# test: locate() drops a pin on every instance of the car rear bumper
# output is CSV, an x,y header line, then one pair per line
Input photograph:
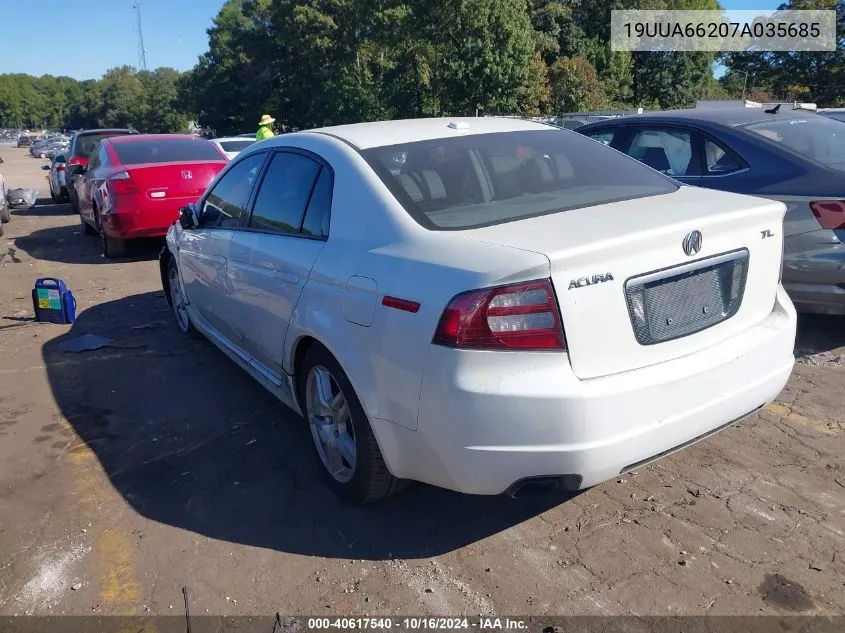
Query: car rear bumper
x,y
130,223
490,420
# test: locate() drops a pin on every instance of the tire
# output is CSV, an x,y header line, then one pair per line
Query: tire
x,y
5,214
180,314
365,477
74,201
113,247
53,195
89,230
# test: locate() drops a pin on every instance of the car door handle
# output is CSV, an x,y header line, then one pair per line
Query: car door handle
x,y
287,276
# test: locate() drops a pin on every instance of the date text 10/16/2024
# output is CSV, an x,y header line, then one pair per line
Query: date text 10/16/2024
x,y
482,623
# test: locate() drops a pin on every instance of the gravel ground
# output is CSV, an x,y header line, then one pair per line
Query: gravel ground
x,y
131,471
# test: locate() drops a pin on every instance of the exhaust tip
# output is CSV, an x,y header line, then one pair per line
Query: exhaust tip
x,y
544,485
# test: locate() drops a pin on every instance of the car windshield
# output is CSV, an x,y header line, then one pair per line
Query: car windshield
x,y
165,150
483,179
235,146
815,137
87,143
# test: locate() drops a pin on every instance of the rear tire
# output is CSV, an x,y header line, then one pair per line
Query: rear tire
x,y
5,214
74,201
89,230
177,301
113,247
359,475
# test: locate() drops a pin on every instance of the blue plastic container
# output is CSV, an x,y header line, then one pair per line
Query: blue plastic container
x,y
53,302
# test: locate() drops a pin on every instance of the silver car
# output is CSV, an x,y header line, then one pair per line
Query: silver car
x,y
57,177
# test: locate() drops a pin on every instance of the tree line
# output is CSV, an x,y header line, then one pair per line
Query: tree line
x,y
321,62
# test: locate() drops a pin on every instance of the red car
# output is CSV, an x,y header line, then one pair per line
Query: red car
x,y
134,185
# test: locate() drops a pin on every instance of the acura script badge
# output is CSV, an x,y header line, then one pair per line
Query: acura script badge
x,y
692,243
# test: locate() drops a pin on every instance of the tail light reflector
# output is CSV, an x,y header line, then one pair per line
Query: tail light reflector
x,y
829,213
60,168
122,183
520,316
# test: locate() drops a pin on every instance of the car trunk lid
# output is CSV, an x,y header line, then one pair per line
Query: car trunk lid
x,y
174,181
629,294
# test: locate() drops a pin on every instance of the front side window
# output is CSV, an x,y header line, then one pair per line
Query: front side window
x,y
226,204
284,193
666,150
475,180
816,138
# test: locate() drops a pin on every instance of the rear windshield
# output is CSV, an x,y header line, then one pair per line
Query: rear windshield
x,y
836,116
87,143
172,150
815,137
235,146
479,180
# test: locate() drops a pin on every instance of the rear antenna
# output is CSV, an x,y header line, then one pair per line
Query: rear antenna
x,y
773,110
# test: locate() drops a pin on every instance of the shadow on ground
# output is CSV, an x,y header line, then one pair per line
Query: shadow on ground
x,y
190,440
819,333
70,245
44,207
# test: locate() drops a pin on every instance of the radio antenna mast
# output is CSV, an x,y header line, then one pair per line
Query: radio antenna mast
x,y
142,52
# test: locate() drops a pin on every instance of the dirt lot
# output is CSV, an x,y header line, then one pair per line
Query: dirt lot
x,y
129,472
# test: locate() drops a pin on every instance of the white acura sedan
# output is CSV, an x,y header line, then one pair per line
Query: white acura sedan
x,y
487,305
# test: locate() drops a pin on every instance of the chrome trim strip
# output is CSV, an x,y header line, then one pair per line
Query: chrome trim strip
x,y
685,268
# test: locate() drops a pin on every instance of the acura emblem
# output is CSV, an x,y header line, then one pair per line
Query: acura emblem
x,y
187,175
692,243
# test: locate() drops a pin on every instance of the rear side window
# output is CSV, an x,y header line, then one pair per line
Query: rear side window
x,y
484,179
316,222
226,203
235,146
284,193
605,137
86,143
175,150
816,138
720,160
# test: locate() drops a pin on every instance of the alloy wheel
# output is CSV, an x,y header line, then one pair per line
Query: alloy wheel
x,y
331,424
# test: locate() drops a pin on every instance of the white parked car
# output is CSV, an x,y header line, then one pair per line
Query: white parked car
x,y
232,145
487,305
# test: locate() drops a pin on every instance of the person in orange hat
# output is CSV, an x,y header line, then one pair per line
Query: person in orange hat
x,y
265,128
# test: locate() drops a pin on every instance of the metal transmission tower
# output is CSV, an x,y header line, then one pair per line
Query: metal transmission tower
x,y
142,52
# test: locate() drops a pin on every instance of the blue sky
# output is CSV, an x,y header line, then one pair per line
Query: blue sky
x,y
91,36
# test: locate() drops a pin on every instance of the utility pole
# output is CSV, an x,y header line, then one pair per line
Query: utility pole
x,y
142,52
744,83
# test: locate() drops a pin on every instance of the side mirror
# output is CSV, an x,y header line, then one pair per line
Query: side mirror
x,y
188,216
45,167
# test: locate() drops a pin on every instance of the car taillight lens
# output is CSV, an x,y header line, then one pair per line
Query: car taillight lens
x,y
122,183
60,168
514,317
75,161
829,213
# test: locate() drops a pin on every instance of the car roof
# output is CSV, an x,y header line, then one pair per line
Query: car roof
x,y
721,116
135,138
233,138
380,133
101,130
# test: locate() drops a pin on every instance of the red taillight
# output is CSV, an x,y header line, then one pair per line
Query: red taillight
x,y
60,168
518,317
122,183
76,160
829,213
